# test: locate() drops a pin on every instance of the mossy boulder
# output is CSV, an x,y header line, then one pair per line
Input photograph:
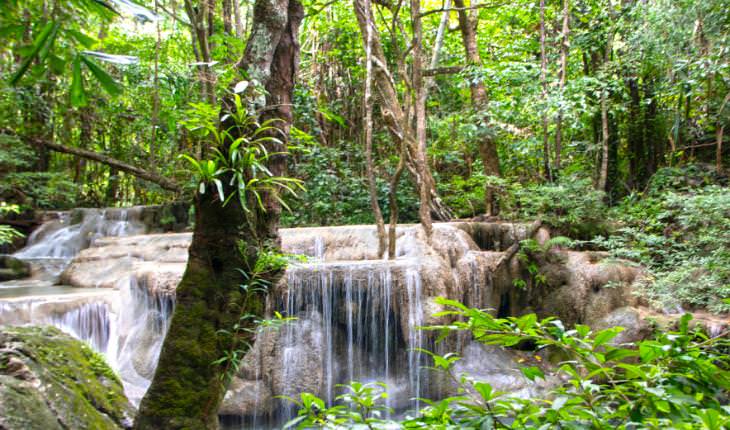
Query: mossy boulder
x,y
49,380
12,268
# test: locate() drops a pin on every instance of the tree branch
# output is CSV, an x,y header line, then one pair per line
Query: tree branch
x,y
480,6
165,183
446,70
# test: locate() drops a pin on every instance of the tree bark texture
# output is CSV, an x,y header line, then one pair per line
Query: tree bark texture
x,y
544,86
564,46
370,167
419,94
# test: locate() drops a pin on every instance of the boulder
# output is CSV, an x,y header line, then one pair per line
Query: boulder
x,y
13,268
635,326
49,380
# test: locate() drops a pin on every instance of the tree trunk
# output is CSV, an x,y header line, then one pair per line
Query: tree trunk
x,y
165,183
187,388
227,18
544,85
637,151
395,116
468,24
719,135
603,175
368,102
564,46
419,94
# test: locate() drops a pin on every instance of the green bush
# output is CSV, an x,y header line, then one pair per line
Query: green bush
x,y
682,238
337,194
572,207
678,380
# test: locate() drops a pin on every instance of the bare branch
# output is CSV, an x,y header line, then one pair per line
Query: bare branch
x,y
165,183
480,6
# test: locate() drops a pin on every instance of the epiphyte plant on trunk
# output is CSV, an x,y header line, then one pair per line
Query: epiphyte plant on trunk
x,y
256,282
243,162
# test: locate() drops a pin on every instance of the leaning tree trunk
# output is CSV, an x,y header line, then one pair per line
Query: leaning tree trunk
x,y
187,388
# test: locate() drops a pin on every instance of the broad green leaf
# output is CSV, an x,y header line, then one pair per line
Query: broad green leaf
x,y
605,336
84,39
533,372
44,39
78,95
107,82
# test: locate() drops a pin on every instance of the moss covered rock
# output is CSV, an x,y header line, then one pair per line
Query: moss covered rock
x,y
49,380
12,268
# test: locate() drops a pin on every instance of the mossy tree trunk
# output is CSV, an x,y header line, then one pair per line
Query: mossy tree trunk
x,y
188,388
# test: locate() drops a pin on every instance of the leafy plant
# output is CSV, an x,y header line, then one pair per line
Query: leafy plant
x,y
240,155
571,207
680,379
8,233
681,237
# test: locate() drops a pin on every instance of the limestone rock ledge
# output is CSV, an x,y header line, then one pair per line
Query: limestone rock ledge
x,y
49,380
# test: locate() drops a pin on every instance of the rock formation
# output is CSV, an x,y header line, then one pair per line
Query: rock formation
x,y
49,380
356,315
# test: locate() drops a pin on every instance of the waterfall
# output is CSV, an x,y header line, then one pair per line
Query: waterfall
x,y
140,325
415,335
61,239
89,322
127,324
352,316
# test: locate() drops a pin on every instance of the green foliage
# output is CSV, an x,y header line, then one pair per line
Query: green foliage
x,y
571,207
7,233
681,237
361,407
337,191
240,156
679,379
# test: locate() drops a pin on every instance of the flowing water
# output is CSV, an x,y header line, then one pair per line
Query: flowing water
x,y
356,320
126,324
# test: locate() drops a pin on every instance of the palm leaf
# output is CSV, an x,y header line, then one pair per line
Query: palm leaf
x,y
45,38
107,82
78,96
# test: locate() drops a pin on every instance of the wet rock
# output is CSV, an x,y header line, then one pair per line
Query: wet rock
x,y
49,380
636,328
13,268
246,398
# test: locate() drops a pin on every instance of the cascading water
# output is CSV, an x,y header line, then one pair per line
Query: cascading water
x,y
126,324
357,316
355,322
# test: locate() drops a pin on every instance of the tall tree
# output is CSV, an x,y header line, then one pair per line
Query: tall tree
x,y
188,386
544,87
368,106
564,47
468,24
420,92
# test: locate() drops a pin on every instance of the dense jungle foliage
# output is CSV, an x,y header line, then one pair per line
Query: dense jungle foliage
x,y
604,119
130,83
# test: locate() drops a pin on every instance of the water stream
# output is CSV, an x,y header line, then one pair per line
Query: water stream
x,y
357,318
126,324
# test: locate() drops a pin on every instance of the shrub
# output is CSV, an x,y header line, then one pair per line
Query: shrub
x,y
572,206
679,379
682,238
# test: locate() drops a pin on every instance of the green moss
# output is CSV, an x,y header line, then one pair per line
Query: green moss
x,y
77,387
